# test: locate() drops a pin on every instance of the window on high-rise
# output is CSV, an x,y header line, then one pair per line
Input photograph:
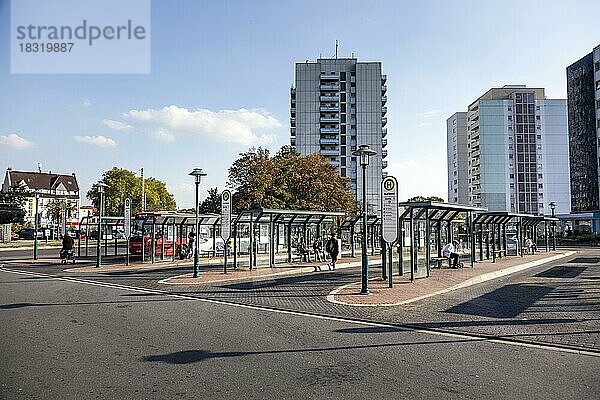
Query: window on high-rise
x,y
598,85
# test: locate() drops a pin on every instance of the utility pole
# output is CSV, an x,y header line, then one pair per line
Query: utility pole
x,y
143,193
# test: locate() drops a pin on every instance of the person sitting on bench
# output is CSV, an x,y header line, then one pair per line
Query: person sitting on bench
x,y
451,251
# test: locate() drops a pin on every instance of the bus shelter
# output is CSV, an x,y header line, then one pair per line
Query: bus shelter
x,y
109,232
274,231
424,226
351,231
500,233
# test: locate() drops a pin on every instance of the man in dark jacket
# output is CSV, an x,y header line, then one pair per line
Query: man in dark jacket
x,y
333,248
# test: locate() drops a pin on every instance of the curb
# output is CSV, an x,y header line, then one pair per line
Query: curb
x,y
256,278
469,282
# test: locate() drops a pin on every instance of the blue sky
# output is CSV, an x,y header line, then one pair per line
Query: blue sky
x,y
221,73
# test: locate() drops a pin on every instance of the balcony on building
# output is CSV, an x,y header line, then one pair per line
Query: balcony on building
x,y
293,121
353,79
383,142
383,110
383,78
383,99
384,132
330,120
384,164
384,153
384,174
329,99
383,88
329,152
293,141
329,141
293,131
329,130
383,121
329,109
332,76
330,87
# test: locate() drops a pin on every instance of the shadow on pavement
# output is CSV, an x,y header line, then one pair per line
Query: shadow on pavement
x,y
505,302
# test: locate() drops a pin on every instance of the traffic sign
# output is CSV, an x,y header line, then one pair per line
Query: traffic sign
x,y
226,215
389,209
127,218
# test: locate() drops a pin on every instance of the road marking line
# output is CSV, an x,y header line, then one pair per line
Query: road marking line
x,y
407,327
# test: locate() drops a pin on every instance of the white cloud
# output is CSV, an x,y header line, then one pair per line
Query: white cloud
x,y
428,118
117,126
243,126
99,141
15,141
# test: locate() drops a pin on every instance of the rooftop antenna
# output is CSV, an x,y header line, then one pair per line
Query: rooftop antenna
x,y
40,167
336,48
352,54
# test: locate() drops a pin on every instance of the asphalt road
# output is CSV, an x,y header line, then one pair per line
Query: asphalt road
x,y
70,338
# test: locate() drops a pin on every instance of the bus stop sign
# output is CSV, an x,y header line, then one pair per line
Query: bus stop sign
x,y
389,209
127,218
226,215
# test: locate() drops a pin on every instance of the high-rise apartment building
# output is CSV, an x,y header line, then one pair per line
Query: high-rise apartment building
x,y
583,96
337,105
512,146
456,126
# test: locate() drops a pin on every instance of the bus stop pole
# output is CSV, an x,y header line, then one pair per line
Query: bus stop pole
x,y
390,264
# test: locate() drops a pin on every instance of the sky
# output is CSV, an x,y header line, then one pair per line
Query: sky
x,y
221,72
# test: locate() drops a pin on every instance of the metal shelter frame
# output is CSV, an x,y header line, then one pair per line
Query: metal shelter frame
x,y
275,219
494,237
428,212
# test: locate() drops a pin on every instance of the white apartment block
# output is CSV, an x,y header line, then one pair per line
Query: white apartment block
x,y
517,152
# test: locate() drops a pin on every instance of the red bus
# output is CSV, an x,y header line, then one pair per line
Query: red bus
x,y
142,227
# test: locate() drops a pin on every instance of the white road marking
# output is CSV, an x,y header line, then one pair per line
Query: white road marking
x,y
473,338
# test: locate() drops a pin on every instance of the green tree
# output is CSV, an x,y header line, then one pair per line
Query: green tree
x,y
54,209
288,180
122,184
418,199
212,204
11,205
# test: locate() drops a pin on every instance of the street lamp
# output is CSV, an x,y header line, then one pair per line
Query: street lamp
x,y
100,186
35,227
552,207
197,173
364,152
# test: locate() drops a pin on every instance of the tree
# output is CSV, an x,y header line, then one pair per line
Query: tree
x,y
288,180
418,199
54,209
11,205
123,184
212,204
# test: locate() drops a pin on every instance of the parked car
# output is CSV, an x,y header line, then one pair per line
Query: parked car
x,y
28,233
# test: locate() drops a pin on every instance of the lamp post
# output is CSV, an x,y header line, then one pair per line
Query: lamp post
x,y
197,173
364,152
100,186
36,227
552,207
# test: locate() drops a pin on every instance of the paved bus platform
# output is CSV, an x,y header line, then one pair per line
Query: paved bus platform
x,y
404,291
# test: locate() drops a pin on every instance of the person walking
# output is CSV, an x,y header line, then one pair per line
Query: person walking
x,y
333,248
191,243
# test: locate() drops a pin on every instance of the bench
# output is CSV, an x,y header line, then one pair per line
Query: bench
x,y
439,261
501,253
